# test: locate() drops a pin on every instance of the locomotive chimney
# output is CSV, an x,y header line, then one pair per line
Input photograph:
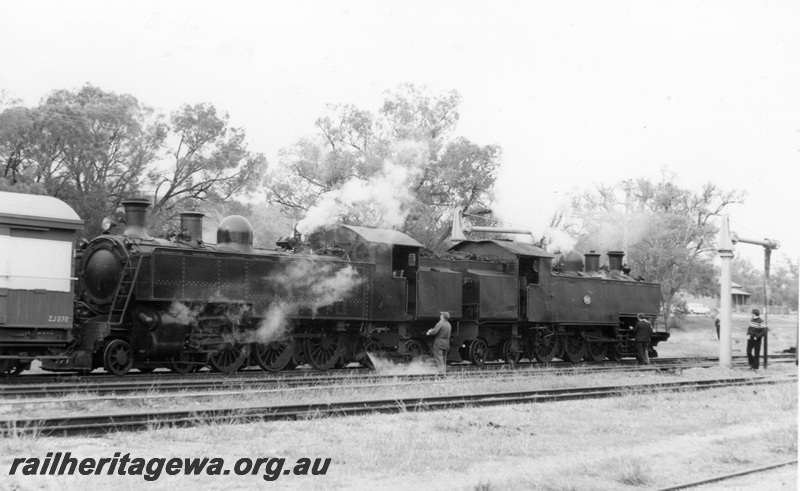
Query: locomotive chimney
x,y
592,261
135,211
192,226
615,260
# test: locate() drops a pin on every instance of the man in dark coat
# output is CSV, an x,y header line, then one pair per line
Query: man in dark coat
x,y
755,331
441,345
641,333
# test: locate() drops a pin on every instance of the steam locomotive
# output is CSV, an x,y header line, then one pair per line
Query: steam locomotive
x,y
142,302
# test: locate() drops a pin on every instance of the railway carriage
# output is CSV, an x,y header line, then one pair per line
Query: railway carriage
x,y
37,234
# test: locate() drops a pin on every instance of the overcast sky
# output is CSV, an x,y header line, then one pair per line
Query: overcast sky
x,y
576,93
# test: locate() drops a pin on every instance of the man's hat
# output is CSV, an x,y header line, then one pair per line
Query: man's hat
x,y
756,312
446,315
641,316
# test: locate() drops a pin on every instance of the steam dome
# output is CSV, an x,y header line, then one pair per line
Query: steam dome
x,y
235,232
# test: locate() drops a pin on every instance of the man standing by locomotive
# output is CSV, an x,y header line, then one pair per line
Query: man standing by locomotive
x,y
755,331
641,333
441,345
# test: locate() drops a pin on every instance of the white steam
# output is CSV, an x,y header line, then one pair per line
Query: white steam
x,y
530,201
304,284
274,326
179,313
423,365
385,197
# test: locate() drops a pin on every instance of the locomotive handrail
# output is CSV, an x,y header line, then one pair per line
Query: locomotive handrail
x,y
38,277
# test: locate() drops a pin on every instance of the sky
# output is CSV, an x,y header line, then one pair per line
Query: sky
x,y
577,93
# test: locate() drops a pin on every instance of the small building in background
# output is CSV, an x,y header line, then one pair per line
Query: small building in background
x,y
740,301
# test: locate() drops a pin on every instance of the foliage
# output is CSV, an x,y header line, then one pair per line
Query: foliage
x,y
210,161
404,153
669,230
93,148
783,281
87,147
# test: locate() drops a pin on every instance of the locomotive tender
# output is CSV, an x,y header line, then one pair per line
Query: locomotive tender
x,y
144,302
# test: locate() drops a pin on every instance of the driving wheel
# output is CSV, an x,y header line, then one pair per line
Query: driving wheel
x,y
546,347
574,349
596,351
273,356
322,352
230,358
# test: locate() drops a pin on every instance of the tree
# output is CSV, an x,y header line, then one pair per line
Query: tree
x,y
398,168
88,147
7,99
670,230
783,281
210,162
751,280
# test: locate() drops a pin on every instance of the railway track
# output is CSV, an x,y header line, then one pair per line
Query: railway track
x,y
725,477
261,382
30,379
99,423
264,382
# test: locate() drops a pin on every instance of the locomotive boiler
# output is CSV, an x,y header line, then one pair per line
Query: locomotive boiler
x,y
144,302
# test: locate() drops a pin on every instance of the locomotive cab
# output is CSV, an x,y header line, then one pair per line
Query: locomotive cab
x,y
396,259
501,288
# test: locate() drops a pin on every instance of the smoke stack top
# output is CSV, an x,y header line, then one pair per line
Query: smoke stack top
x,y
192,226
615,260
135,213
592,261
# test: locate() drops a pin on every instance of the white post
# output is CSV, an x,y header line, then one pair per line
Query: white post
x,y
725,250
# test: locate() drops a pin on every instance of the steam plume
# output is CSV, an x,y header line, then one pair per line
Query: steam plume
x,y
419,366
383,199
531,202
303,285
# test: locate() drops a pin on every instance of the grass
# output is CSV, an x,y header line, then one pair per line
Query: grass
x,y
631,471
630,442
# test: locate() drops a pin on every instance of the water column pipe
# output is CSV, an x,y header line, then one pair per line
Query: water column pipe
x,y
727,240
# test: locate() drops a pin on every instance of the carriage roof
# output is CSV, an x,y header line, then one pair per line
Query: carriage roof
x,y
36,210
